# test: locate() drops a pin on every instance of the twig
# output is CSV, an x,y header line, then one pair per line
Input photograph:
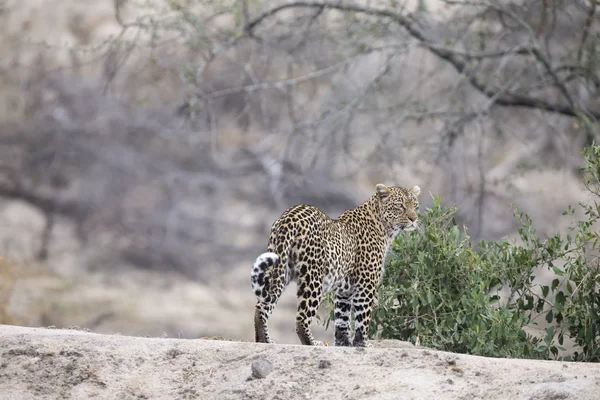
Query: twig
x,y
586,29
280,85
521,50
542,26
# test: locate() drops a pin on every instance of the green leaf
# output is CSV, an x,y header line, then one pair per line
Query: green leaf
x,y
549,317
549,335
540,305
559,317
430,297
560,299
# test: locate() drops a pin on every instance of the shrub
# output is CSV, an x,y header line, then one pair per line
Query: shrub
x,y
440,291
436,292
578,306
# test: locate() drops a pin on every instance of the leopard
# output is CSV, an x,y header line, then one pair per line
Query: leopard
x,y
343,256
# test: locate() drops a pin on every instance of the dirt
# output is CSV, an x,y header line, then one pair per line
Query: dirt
x,y
41,363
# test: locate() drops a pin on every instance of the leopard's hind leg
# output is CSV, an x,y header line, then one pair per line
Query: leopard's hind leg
x,y
310,282
268,280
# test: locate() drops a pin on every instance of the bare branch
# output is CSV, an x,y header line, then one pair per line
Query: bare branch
x,y
46,204
471,55
586,28
577,70
455,59
280,85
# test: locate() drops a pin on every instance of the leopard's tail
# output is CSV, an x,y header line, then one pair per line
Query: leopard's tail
x,y
261,275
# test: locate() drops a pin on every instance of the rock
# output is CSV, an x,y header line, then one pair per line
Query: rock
x,y
261,368
324,364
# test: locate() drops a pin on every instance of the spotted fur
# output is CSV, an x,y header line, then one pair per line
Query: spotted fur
x,y
344,256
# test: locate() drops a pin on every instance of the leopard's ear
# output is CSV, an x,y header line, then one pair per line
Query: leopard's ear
x,y
416,191
382,190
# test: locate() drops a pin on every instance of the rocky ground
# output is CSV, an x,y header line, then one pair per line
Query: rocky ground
x,y
42,363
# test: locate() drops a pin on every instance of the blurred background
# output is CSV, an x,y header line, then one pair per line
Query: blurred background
x,y
146,146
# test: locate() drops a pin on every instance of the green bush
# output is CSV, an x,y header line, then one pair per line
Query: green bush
x,y
579,306
438,290
441,292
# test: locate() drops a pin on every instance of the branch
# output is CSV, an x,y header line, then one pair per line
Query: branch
x,y
582,72
454,58
48,205
471,55
536,50
280,85
586,30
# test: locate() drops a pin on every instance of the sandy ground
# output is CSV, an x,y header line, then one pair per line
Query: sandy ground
x,y
41,363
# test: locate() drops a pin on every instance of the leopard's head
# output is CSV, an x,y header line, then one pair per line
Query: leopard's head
x,y
398,208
